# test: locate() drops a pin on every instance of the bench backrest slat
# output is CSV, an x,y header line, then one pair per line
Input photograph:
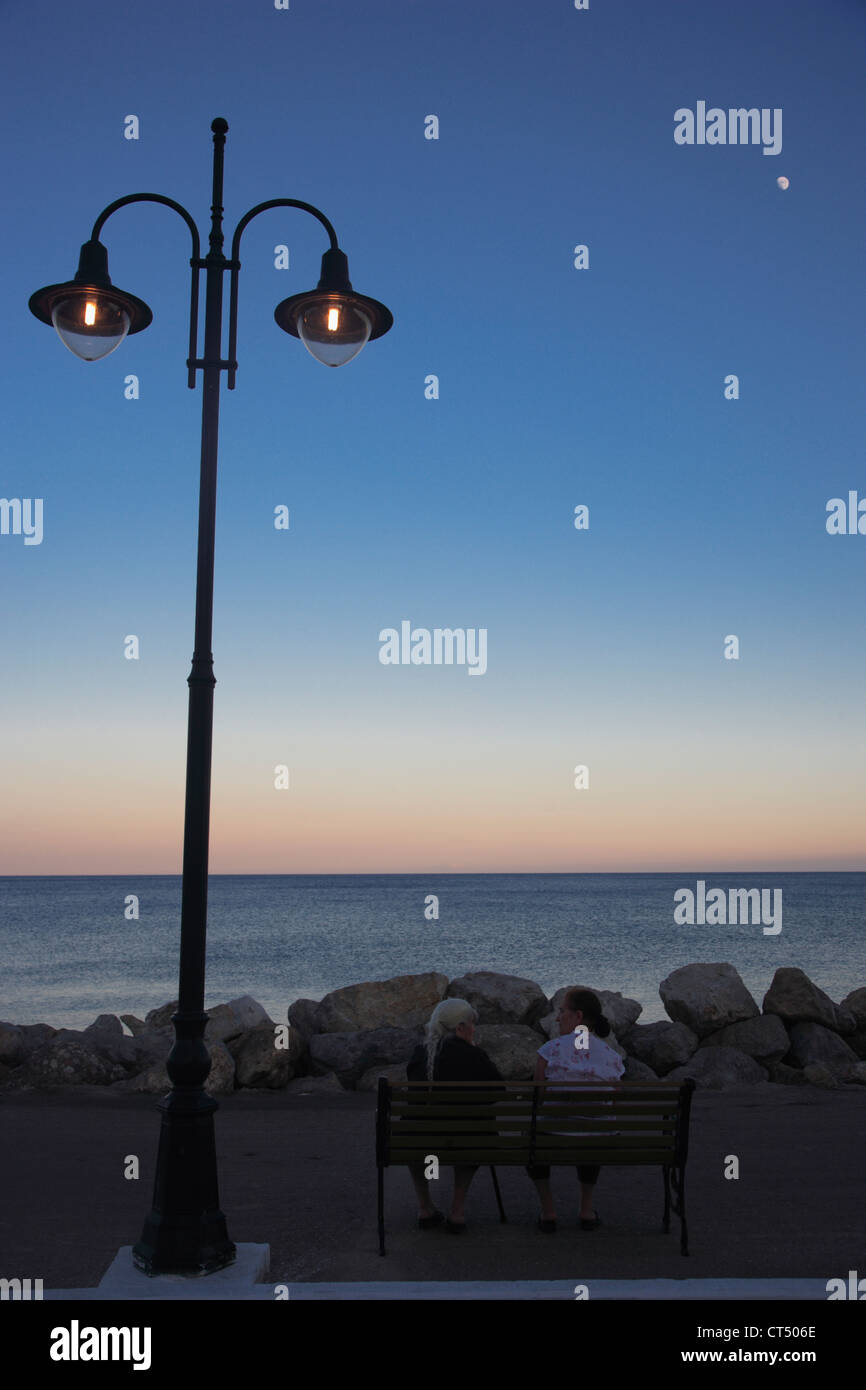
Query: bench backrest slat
x,y
520,1122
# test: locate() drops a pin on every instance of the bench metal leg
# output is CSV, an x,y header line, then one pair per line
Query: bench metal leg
x,y
675,1184
381,1185
684,1233
502,1217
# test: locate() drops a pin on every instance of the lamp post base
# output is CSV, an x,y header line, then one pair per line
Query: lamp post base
x,y
185,1232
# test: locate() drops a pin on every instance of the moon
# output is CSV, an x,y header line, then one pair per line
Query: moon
x,y
782,181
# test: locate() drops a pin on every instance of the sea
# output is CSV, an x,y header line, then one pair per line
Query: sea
x,y
72,947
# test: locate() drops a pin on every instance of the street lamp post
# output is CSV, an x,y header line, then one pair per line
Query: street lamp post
x,y
185,1232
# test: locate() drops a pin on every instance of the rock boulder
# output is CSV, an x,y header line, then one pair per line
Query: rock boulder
x,y
405,1001
315,1085
36,1034
855,1004
107,1025
161,1017
511,1047
784,1075
302,1016
661,1046
68,1063
816,1075
794,998
220,1080
242,1015
352,1054
814,1045
500,998
20,1041
707,998
11,1045
638,1071
718,1068
260,1063
109,1045
764,1038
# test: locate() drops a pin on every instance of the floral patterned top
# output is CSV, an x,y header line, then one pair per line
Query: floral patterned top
x,y
565,1062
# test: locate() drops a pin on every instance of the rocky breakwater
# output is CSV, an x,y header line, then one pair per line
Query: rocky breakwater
x,y
240,1038
715,1032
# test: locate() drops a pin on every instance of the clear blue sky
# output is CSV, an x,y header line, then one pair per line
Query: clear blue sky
x,y
558,386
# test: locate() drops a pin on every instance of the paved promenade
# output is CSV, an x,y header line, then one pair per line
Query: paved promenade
x,y
298,1173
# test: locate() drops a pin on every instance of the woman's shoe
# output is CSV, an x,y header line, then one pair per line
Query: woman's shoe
x,y
427,1223
547,1226
590,1223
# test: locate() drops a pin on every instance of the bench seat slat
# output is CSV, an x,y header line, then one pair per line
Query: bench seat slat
x,y
619,1123
518,1090
599,1112
482,1133
625,1141
615,1157
567,1125
411,1112
551,1142
520,1158
576,1105
488,1123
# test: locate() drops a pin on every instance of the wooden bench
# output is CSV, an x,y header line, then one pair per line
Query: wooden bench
x,y
522,1122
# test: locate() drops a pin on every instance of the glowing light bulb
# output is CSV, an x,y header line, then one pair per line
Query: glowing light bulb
x,y
90,314
333,320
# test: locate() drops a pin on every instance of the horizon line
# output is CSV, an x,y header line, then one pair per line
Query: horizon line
x,y
441,873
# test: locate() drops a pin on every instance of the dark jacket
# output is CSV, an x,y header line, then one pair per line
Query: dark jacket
x,y
457,1060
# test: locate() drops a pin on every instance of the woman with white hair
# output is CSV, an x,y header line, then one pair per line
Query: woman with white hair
x,y
448,1054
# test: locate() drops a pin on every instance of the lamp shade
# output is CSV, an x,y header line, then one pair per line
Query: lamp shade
x,y
92,317
333,321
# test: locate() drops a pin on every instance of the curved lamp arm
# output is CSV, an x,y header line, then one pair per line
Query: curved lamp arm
x,y
236,265
195,261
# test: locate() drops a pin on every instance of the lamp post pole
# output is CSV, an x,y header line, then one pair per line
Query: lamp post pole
x,y
185,1231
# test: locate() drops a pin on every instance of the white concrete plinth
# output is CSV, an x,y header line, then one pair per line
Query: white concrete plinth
x,y
237,1280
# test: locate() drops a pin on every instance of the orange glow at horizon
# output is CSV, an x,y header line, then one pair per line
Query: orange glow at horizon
x,y
323,829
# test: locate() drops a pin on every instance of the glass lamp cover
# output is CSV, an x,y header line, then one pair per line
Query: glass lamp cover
x,y
333,331
90,325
